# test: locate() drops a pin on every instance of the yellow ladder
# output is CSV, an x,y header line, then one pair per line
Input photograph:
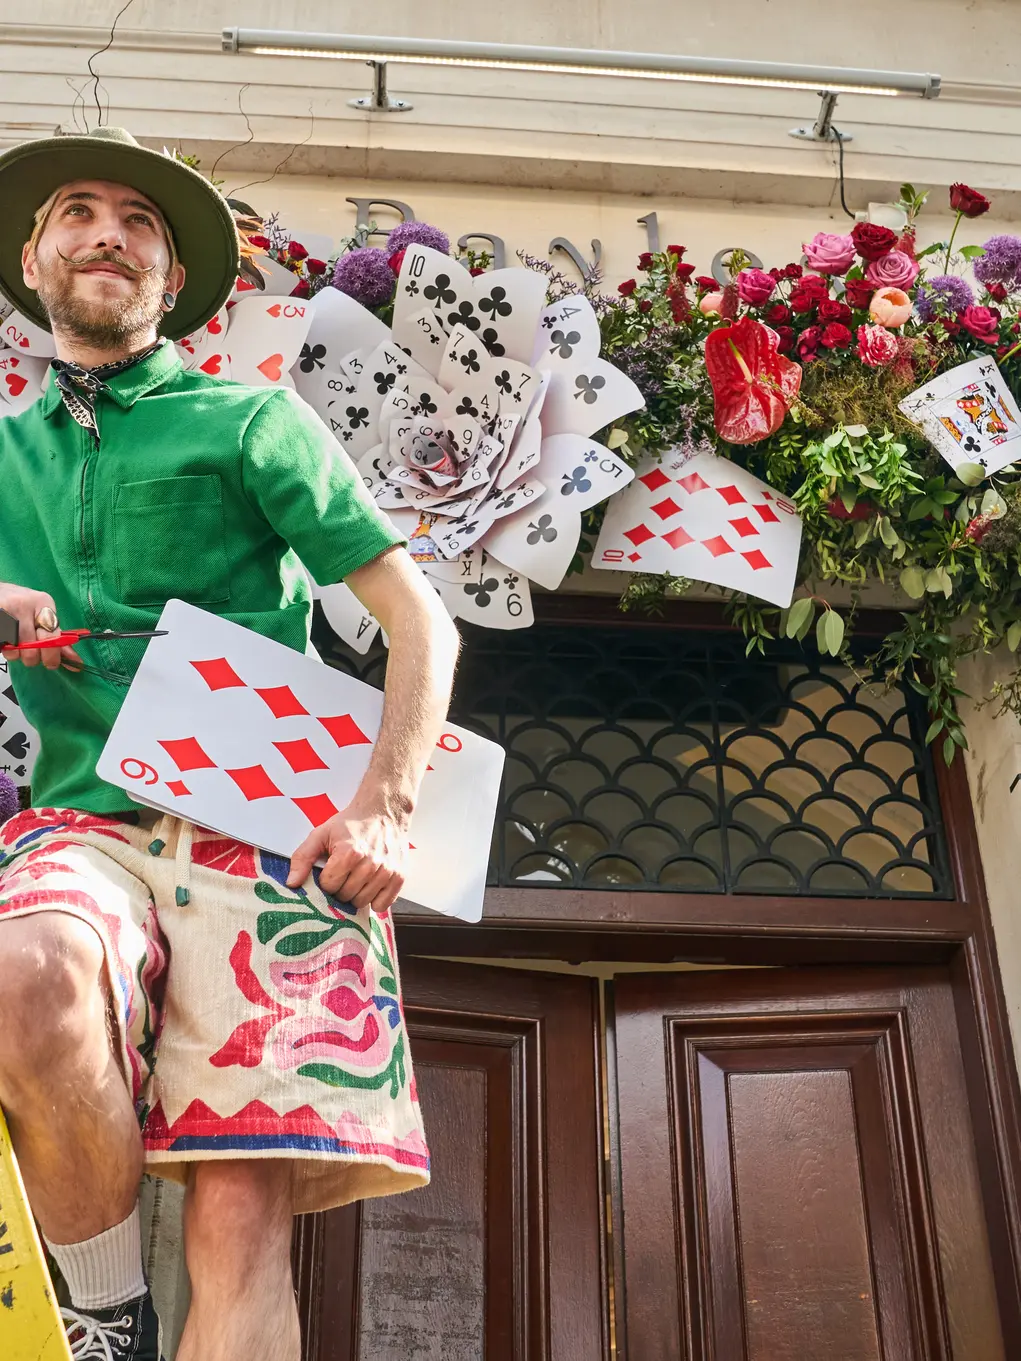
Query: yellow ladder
x,y
30,1325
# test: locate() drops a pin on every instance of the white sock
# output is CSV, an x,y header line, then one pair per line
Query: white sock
x,y
106,1270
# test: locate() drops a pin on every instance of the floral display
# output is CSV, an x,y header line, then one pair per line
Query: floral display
x,y
493,414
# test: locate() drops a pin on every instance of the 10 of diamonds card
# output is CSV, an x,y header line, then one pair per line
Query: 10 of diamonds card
x,y
249,738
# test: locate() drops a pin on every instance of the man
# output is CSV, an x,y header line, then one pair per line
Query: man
x,y
131,481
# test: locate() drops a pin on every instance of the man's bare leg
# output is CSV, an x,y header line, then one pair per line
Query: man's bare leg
x,y
61,1085
237,1240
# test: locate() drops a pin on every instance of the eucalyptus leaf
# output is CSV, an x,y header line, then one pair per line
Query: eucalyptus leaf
x,y
912,582
949,750
887,532
867,480
834,631
820,633
971,474
799,616
1014,635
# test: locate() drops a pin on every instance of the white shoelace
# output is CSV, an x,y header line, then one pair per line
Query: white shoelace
x,y
97,1339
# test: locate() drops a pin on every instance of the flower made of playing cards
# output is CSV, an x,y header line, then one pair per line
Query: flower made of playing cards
x,y
470,421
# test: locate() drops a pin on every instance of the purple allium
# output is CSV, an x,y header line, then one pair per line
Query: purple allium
x,y
946,295
1001,263
10,803
366,276
407,234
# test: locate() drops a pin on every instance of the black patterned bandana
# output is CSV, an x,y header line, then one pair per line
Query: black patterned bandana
x,y
79,387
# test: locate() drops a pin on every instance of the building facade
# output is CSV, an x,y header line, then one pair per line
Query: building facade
x,y
727,1069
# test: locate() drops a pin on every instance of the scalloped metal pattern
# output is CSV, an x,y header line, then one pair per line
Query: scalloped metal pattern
x,y
653,759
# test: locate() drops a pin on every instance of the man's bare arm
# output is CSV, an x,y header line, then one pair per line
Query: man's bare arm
x,y
366,842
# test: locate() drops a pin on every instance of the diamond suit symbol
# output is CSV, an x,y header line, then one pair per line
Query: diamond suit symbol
x,y
731,495
768,514
186,754
718,546
301,755
665,508
318,808
655,479
178,787
283,701
756,559
693,482
254,783
344,731
218,674
744,527
678,537
639,535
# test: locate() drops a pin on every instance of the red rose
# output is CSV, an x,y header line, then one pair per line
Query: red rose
x,y
397,259
261,241
785,335
952,328
776,274
836,336
968,202
871,240
644,305
315,267
684,272
830,310
476,270
858,293
792,271
778,314
998,291
808,343
706,283
816,285
627,287
676,250
296,250
753,385
802,300
877,346
645,260
302,289
982,322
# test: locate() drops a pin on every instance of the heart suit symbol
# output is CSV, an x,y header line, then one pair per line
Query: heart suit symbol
x,y
15,383
272,367
214,328
212,364
273,311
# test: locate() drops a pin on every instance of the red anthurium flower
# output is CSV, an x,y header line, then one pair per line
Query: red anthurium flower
x,y
753,384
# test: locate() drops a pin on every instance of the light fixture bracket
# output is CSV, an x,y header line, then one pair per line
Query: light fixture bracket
x,y
380,100
822,130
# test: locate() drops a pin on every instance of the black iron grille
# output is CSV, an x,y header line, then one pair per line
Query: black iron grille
x,y
659,759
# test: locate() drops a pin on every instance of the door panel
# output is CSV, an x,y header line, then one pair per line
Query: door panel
x,y
501,1256
797,1170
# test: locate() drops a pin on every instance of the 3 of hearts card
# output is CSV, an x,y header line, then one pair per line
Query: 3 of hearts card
x,y
702,517
239,734
970,415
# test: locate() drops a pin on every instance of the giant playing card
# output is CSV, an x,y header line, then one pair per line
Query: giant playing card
x,y
699,516
246,737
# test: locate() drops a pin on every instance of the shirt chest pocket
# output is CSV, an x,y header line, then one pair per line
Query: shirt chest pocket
x,y
169,541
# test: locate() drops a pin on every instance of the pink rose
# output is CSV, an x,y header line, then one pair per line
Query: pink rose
x,y
890,307
712,302
982,322
755,286
876,346
829,253
895,269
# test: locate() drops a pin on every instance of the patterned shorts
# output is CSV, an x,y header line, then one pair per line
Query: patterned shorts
x,y
255,1021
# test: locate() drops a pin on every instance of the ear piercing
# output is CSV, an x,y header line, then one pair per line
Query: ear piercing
x,y
168,301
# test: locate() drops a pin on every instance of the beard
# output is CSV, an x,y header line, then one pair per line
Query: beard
x,y
100,324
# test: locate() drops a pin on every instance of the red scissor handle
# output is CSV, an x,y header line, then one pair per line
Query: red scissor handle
x,y
67,639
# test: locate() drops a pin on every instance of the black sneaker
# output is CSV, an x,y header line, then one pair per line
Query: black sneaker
x,y
125,1332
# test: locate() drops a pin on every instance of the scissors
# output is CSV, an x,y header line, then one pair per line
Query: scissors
x,y
68,638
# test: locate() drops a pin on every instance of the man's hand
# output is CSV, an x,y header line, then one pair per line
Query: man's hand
x,y
25,606
366,859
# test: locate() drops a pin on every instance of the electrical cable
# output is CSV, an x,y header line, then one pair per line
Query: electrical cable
x,y
840,144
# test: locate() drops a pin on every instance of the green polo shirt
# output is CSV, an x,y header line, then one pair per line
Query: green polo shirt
x,y
200,489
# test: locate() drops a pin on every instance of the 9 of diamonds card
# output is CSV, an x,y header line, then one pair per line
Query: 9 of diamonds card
x,y
254,740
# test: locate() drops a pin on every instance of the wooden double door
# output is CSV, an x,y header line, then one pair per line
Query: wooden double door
x,y
746,1165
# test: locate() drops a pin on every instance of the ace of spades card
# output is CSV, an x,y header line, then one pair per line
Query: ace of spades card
x,y
970,415
699,516
239,734
19,741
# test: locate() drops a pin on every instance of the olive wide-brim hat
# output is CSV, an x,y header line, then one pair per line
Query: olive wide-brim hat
x,y
202,223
